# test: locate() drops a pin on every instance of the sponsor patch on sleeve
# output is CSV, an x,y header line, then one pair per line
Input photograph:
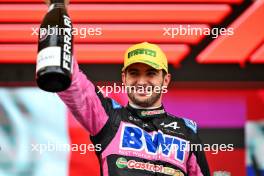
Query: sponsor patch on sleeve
x,y
115,104
191,124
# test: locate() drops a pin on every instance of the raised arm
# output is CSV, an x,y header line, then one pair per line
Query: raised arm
x,y
87,105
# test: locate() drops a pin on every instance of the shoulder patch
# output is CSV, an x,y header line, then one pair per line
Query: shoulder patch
x,y
191,124
115,105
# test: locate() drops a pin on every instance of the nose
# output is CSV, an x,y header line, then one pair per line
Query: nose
x,y
142,80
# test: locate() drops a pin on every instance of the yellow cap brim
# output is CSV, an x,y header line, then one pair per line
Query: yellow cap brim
x,y
147,62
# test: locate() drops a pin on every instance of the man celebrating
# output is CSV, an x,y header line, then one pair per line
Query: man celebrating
x,y
142,138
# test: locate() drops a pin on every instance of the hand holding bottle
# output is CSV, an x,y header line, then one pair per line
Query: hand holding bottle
x,y
55,45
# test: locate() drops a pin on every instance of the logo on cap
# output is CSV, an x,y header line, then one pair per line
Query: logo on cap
x,y
142,51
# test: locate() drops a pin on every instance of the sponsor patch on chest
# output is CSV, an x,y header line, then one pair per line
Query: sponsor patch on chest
x,y
156,143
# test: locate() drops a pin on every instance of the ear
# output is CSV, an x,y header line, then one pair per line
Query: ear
x,y
123,78
167,79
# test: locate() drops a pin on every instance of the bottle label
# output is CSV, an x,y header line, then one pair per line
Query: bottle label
x,y
67,45
50,56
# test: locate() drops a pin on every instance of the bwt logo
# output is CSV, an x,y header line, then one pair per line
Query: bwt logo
x,y
136,139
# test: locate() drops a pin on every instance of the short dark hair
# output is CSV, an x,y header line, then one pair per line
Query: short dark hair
x,y
164,73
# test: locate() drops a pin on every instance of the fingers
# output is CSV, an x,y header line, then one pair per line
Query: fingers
x,y
65,1
47,2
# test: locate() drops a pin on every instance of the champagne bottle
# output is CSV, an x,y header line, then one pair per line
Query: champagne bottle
x,y
55,46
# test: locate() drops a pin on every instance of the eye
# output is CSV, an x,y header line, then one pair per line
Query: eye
x,y
152,73
133,73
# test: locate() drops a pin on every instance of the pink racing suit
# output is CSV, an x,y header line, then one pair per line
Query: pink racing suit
x,y
135,142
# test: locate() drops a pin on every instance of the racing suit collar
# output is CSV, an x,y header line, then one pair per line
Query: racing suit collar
x,y
147,113
140,107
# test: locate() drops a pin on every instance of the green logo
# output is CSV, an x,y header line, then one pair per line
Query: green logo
x,y
121,163
142,51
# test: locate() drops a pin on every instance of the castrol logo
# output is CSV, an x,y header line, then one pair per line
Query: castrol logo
x,y
123,163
